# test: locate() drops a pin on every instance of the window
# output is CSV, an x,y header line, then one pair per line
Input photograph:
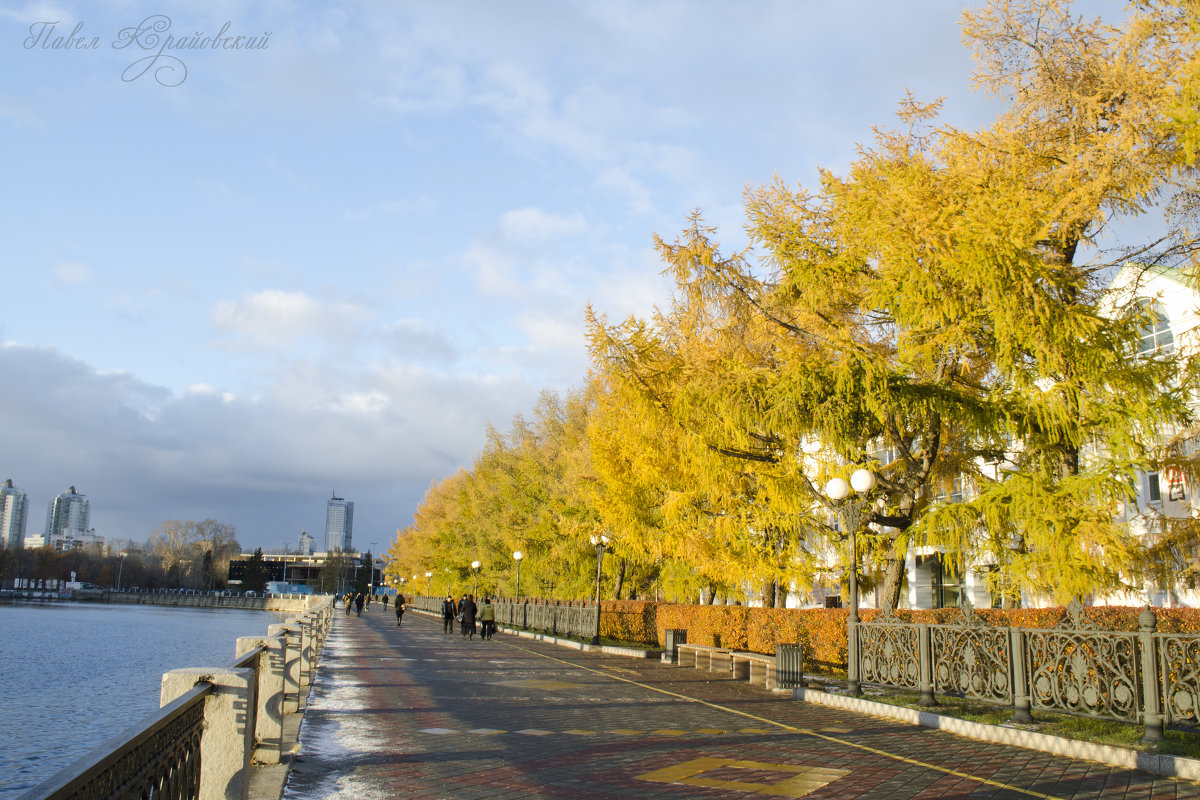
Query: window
x,y
1154,493
1156,334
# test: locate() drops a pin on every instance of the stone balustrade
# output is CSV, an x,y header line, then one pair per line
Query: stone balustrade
x,y
214,721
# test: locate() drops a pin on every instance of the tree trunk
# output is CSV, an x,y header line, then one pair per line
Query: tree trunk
x,y
620,579
768,593
893,582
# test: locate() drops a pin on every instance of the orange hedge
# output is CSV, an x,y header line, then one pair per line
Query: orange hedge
x,y
822,631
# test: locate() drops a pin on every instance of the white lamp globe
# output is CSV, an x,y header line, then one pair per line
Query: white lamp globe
x,y
837,489
475,565
863,480
595,539
518,555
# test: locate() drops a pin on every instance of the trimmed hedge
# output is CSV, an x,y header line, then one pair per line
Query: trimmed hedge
x,y
822,631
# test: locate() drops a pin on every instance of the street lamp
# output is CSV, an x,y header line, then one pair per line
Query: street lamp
x,y
428,577
475,566
601,544
518,555
120,568
850,512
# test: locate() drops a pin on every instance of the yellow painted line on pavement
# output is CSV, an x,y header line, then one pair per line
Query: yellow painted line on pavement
x,y
794,729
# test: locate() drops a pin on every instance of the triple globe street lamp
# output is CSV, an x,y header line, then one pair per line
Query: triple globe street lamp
x,y
850,511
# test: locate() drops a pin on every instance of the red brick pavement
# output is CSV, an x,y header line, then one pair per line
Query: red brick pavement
x,y
411,712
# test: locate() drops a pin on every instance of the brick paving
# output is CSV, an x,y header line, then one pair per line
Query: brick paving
x,y
411,712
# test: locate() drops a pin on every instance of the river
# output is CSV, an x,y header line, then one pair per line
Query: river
x,y
73,675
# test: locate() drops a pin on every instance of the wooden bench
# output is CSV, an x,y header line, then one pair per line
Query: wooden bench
x,y
756,668
704,656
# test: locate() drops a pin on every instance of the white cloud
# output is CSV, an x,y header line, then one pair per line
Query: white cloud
x,y
532,225
273,317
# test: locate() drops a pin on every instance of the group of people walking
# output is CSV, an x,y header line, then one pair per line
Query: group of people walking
x,y
468,614
356,602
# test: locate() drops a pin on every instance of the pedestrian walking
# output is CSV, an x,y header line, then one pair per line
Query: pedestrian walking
x,y
449,612
487,619
358,603
466,616
349,603
385,602
400,608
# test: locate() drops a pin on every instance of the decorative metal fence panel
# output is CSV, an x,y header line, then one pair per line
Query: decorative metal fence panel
x,y
889,652
161,761
1179,667
973,660
1076,667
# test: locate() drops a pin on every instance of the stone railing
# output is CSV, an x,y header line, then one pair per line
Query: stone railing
x,y
1075,668
556,617
212,723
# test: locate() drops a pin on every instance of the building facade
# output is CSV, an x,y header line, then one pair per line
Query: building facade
x,y
68,520
339,525
13,515
306,544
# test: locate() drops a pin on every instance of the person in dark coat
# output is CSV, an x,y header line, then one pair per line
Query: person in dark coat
x,y
358,603
399,608
449,612
466,608
385,602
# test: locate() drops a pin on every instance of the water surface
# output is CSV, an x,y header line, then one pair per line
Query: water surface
x,y
73,675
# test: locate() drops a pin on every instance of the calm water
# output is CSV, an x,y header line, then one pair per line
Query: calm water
x,y
73,675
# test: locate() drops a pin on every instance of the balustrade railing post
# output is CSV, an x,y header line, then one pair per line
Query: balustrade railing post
x,y
291,664
268,722
228,738
1152,716
1020,679
925,666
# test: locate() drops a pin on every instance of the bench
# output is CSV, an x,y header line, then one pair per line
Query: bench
x,y
756,668
704,656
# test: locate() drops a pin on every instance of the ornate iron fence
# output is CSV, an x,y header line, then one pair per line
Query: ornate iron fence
x,y
159,760
1073,668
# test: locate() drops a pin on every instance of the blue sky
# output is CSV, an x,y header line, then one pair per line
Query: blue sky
x,y
330,262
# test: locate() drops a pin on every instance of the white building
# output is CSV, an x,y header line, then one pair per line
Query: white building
x,y
67,527
306,544
339,525
13,512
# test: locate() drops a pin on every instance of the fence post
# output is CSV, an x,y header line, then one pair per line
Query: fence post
x,y
853,656
1152,716
925,666
268,725
228,738
291,664
1020,672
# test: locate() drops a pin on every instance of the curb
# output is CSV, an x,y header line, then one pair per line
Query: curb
x,y
1171,766
628,652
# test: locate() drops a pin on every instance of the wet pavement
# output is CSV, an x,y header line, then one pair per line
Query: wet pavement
x,y
411,712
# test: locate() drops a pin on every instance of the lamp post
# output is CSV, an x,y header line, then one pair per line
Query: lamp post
x,y
475,566
120,568
428,578
285,563
601,544
518,555
850,512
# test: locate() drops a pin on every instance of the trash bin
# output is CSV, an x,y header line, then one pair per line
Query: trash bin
x,y
673,638
789,666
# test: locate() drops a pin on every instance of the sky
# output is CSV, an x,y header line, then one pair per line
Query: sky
x,y
324,257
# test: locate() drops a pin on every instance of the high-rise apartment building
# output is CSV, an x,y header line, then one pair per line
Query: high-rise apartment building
x,y
339,525
13,505
68,516
306,543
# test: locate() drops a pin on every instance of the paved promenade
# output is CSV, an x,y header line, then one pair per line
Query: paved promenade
x,y
410,712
